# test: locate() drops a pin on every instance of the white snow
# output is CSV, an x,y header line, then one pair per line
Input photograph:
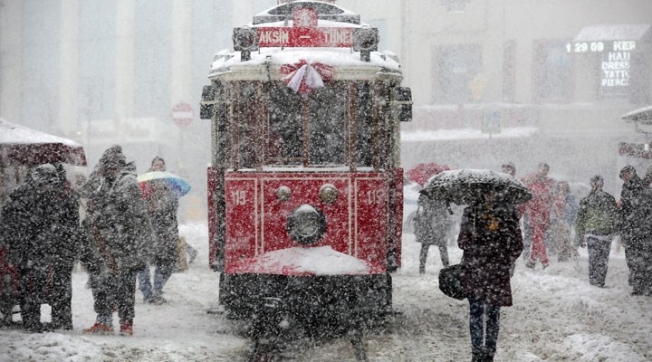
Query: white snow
x,y
322,260
466,134
557,316
16,134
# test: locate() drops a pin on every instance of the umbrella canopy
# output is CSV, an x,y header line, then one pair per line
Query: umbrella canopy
x,y
643,115
422,172
26,146
466,186
178,184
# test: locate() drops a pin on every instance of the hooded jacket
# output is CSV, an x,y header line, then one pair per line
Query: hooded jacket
x,y
118,225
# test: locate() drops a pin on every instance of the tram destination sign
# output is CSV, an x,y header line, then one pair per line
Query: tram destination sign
x,y
305,37
615,65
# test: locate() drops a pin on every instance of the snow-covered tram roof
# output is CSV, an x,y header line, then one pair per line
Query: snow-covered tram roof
x,y
266,62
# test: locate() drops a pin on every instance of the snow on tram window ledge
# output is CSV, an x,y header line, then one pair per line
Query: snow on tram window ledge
x,y
466,134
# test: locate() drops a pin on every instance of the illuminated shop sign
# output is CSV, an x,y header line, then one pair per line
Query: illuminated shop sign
x,y
616,56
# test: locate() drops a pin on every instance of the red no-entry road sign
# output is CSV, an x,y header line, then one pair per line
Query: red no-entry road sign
x,y
182,114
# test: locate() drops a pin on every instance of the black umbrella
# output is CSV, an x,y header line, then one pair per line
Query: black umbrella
x,y
466,186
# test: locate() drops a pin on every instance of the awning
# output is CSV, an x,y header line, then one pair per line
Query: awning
x,y
643,115
639,32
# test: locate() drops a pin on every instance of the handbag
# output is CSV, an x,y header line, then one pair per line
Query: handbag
x,y
450,281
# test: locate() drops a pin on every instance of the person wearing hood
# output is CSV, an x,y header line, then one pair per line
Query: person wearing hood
x,y
34,225
491,240
120,234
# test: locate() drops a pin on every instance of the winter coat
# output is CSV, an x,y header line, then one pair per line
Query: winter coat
x,y
117,224
539,207
491,240
162,204
597,215
67,242
36,226
636,214
432,222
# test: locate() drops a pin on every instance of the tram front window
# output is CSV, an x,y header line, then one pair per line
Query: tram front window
x,y
324,115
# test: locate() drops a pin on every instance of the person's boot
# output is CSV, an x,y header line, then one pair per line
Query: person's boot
x,y
127,328
98,328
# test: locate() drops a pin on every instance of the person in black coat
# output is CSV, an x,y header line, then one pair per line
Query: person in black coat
x,y
636,230
66,245
491,239
31,221
119,234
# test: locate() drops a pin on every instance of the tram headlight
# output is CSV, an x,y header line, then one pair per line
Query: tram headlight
x,y
245,39
328,193
365,40
283,193
306,224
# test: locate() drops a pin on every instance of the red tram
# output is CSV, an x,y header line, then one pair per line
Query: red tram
x,y
305,187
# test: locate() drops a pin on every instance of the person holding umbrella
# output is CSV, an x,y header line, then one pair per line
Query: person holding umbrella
x,y
162,205
491,239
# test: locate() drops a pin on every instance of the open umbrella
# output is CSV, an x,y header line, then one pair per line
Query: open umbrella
x,y
466,186
177,183
424,171
20,145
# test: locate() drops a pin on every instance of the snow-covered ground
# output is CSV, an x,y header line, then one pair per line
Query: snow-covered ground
x,y
556,316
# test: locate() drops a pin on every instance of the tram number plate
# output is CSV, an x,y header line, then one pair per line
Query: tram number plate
x,y
375,197
239,197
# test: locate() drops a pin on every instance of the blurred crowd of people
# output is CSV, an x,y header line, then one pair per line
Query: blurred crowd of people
x,y
495,232
113,226
555,222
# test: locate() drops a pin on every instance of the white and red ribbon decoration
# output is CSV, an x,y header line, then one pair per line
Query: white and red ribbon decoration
x,y
304,78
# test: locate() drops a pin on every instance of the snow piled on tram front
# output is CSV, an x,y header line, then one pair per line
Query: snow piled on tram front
x,y
321,260
336,57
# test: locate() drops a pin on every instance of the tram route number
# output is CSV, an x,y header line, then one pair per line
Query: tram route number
x,y
239,197
374,197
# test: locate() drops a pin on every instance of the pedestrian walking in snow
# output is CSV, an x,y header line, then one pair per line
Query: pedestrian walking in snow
x,y
36,227
121,234
432,225
565,210
636,230
162,205
595,227
491,239
537,213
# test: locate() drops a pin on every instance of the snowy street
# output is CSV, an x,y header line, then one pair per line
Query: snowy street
x,y
556,316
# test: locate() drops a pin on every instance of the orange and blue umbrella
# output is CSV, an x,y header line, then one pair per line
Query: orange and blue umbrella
x,y
177,183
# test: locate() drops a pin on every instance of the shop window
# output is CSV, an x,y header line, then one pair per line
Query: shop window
x,y
455,68
553,72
